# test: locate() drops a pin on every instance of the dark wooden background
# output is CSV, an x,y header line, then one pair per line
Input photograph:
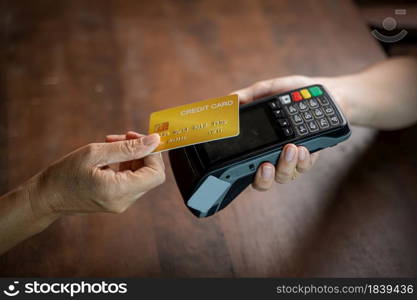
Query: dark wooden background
x,y
74,71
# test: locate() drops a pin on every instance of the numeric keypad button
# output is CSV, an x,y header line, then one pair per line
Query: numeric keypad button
x,y
285,99
323,100
283,122
273,105
323,123
292,109
287,131
318,113
328,110
302,106
279,113
308,116
334,120
313,103
302,129
312,126
297,119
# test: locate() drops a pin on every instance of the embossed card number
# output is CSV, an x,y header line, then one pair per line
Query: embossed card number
x,y
195,123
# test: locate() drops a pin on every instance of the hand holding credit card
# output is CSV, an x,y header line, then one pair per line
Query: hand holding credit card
x,y
197,122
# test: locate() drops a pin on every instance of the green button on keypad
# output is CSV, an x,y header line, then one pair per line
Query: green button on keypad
x,y
315,91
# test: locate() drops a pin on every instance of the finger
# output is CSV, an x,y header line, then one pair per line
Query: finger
x,y
270,87
134,135
121,137
115,138
130,165
123,166
149,176
137,163
264,177
154,161
314,157
304,162
259,89
287,163
116,152
136,183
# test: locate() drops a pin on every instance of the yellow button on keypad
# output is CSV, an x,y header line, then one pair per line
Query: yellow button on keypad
x,y
305,93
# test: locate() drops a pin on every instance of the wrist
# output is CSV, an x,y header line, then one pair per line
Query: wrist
x,y
23,214
341,92
42,212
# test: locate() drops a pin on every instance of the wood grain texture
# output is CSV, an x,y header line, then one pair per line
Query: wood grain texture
x,y
74,71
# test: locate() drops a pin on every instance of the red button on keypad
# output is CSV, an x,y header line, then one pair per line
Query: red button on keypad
x,y
296,96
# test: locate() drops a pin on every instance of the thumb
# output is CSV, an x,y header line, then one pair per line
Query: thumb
x,y
127,150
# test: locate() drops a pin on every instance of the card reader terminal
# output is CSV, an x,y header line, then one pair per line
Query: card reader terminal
x,y
212,174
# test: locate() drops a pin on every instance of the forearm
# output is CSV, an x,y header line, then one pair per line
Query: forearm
x,y
23,214
383,96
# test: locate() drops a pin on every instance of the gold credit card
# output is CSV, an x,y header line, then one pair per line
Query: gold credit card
x,y
198,122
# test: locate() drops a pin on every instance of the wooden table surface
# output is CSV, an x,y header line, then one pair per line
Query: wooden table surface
x,y
74,71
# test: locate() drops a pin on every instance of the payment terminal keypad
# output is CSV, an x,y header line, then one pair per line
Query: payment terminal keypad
x,y
305,111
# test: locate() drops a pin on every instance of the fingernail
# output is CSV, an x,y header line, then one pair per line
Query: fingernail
x,y
150,139
290,153
267,172
302,153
